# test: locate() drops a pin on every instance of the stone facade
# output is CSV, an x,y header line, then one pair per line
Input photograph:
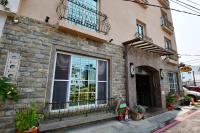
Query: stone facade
x,y
36,42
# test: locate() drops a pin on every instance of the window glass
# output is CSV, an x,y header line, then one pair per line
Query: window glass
x,y
62,67
78,81
59,94
172,78
102,70
83,13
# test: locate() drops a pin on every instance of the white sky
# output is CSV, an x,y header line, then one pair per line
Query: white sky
x,y
187,31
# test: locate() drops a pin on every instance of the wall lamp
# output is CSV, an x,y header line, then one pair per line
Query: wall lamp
x,y
132,70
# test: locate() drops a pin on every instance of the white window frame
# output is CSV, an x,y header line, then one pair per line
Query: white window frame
x,y
175,83
71,108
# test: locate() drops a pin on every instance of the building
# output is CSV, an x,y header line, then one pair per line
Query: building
x,y
188,77
73,52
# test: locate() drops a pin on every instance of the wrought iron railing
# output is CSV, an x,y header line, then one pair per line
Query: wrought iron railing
x,y
84,15
64,110
167,23
143,37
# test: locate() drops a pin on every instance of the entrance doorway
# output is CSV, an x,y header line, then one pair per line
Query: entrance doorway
x,y
143,90
148,87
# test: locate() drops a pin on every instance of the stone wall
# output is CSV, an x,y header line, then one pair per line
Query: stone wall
x,y
36,42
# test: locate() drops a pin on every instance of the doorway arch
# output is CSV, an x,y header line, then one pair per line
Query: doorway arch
x,y
148,86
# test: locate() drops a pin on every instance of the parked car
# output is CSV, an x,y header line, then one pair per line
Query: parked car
x,y
191,93
193,88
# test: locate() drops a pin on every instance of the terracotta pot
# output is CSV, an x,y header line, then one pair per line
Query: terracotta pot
x,y
120,117
136,116
34,130
170,107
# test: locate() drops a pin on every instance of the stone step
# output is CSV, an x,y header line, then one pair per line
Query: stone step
x,y
10,130
70,122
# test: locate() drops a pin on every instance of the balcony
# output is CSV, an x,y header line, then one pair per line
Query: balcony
x,y
167,25
164,3
10,6
173,59
143,3
82,19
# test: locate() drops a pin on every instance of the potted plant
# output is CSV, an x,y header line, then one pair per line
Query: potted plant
x,y
137,112
120,115
27,120
187,100
170,102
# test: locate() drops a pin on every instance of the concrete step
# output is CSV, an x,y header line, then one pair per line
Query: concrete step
x,y
51,125
6,122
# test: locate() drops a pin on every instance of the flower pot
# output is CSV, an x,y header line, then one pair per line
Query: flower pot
x,y
136,116
170,107
34,130
120,117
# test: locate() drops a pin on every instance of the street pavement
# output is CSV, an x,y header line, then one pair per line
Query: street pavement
x,y
143,126
189,125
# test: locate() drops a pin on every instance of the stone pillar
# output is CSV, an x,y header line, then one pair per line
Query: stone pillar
x,y
130,81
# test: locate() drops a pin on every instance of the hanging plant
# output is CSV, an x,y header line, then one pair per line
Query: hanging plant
x,y
4,2
8,91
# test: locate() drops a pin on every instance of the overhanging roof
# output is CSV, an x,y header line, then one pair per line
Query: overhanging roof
x,y
148,46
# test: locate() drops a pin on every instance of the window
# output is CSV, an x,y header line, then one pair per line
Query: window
x,y
80,80
168,44
140,30
172,79
83,13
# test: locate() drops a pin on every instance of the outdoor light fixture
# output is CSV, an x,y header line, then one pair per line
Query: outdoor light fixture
x,y
110,40
132,70
16,20
47,19
162,74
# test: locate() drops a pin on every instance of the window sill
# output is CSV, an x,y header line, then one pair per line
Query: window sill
x,y
168,30
82,32
173,62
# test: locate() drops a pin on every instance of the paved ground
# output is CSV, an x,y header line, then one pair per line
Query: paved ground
x,y
189,125
144,126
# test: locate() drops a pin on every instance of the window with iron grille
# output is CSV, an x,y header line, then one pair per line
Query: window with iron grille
x,y
79,80
83,13
172,80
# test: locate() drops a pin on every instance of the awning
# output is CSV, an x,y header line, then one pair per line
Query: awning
x,y
148,46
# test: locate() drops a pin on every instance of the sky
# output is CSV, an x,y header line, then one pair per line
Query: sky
x,y
187,32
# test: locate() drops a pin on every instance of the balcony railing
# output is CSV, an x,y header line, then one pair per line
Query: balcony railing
x,y
175,56
164,2
84,15
65,109
166,24
143,37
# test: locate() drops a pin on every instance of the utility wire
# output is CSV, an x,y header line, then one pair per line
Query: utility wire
x,y
173,9
187,55
189,5
183,5
193,2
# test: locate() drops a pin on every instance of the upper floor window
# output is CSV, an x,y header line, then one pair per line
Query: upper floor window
x,y
83,13
140,29
168,44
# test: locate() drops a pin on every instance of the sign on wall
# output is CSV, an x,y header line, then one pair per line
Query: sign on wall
x,y
185,69
12,65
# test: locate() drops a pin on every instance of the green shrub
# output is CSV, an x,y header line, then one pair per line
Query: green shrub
x,y
187,99
27,118
138,109
8,91
170,99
